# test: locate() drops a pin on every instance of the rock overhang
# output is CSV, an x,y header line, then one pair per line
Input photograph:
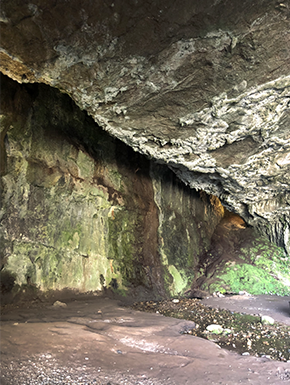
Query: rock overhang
x,y
203,87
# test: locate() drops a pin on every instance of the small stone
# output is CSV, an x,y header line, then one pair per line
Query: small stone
x,y
244,293
266,320
216,329
59,304
175,300
245,354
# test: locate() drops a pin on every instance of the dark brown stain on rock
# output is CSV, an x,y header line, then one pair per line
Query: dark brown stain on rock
x,y
135,171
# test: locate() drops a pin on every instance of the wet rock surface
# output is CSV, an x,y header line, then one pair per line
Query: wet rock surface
x,y
243,333
96,340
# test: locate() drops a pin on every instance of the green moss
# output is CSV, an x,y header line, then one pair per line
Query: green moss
x,y
49,268
122,244
250,278
180,280
86,165
66,235
115,178
265,271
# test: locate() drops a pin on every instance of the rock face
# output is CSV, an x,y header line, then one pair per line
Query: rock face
x,y
201,88
81,210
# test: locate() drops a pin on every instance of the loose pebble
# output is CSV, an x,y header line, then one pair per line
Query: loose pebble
x,y
59,304
216,329
266,320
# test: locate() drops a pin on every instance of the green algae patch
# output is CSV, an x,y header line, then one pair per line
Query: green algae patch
x,y
265,270
122,244
85,165
181,280
48,268
253,279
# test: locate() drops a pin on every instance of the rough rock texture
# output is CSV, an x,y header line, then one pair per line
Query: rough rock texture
x,y
81,210
203,86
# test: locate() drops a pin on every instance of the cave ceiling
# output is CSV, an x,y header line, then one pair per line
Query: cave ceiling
x,y
203,86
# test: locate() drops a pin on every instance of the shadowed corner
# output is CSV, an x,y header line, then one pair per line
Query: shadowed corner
x,y
3,144
7,281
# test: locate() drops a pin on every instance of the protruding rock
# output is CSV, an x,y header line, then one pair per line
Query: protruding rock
x,y
59,304
267,320
215,329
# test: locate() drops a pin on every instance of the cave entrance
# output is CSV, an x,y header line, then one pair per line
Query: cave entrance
x,y
74,196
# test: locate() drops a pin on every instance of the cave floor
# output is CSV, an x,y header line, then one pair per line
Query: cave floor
x,y
270,305
98,340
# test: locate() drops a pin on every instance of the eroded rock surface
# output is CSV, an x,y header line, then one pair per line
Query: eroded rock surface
x,y
202,86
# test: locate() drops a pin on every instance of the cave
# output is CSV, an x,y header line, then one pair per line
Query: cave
x,y
144,157
84,211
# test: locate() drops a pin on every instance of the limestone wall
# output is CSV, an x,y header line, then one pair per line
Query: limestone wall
x,y
81,210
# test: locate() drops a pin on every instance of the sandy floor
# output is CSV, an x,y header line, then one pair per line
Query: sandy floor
x,y
95,340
